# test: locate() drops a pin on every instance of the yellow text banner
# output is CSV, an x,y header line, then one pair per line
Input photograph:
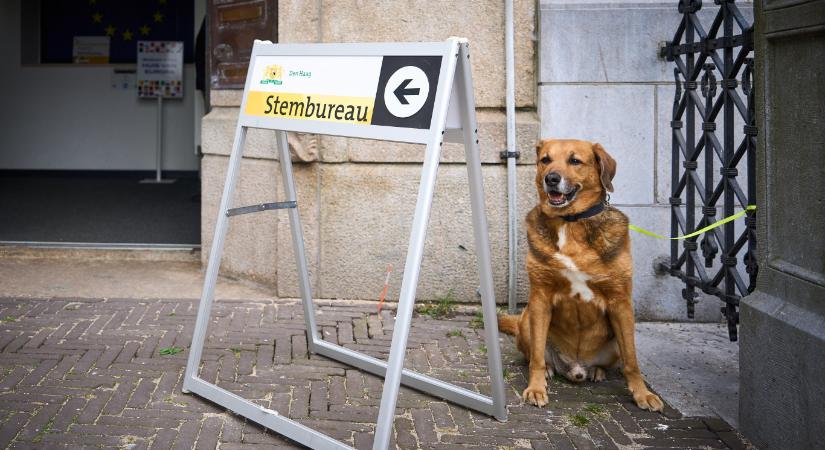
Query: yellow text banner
x,y
327,108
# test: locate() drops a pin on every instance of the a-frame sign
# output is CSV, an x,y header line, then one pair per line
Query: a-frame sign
x,y
415,92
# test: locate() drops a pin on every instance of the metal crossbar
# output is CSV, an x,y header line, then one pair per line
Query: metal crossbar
x,y
696,147
260,207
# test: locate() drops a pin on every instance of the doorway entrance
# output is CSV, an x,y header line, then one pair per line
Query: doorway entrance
x,y
77,139
92,208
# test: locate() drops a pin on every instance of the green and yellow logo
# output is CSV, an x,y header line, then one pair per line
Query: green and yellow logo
x,y
272,74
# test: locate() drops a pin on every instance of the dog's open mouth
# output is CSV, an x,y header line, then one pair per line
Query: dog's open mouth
x,y
558,199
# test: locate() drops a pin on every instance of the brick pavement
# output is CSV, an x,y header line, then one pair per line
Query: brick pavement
x,y
89,373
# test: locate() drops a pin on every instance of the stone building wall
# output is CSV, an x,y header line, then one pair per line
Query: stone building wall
x,y
356,197
584,69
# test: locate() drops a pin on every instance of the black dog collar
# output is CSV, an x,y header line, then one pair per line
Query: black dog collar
x,y
589,212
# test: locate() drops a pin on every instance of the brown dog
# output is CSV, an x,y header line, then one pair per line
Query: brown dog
x,y
580,270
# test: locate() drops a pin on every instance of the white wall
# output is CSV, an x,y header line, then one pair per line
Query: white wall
x,y
600,79
69,117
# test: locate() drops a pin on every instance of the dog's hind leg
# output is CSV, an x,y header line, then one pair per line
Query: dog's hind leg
x,y
549,360
607,358
596,374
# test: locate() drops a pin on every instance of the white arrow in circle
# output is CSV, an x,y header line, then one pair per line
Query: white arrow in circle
x,y
402,91
406,91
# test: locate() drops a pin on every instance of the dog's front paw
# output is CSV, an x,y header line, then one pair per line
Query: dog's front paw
x,y
648,400
598,375
536,395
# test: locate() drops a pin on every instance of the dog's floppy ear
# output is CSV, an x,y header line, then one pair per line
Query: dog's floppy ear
x,y
607,167
539,145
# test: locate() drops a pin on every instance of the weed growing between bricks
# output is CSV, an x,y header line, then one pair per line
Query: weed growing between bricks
x,y
443,307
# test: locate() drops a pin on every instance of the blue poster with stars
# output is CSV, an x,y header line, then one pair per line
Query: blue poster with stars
x,y
124,22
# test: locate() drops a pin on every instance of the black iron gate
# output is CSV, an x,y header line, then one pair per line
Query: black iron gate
x,y
708,61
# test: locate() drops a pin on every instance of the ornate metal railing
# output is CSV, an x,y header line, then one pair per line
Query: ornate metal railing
x,y
707,59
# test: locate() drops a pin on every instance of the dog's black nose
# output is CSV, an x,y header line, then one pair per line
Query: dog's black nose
x,y
552,178
579,376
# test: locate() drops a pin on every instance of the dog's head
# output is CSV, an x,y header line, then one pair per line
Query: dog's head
x,y
572,175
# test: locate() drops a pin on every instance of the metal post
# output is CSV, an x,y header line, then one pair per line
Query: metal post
x,y
708,213
159,148
750,130
158,179
690,189
480,231
512,219
728,255
208,294
674,172
297,240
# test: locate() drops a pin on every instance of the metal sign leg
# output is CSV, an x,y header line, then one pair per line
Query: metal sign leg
x,y
207,296
480,231
406,301
412,266
191,383
297,240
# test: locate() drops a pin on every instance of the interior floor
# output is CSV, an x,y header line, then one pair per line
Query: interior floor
x,y
99,208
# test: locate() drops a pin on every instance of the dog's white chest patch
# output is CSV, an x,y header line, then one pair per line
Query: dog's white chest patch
x,y
562,237
577,278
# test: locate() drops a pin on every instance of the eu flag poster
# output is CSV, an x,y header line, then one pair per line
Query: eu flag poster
x,y
124,22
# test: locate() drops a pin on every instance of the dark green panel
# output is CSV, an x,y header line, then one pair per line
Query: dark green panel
x,y
796,164
782,351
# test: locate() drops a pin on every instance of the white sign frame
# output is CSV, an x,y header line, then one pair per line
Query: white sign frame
x,y
456,125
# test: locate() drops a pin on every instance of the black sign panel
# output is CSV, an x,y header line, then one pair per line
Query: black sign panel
x,y
406,91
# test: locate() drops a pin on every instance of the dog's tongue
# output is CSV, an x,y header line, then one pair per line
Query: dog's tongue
x,y
556,198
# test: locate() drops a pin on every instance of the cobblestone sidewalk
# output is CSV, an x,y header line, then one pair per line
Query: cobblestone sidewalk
x,y
103,373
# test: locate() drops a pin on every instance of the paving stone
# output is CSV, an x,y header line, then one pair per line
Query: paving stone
x,y
716,424
40,424
118,391
120,397
93,406
442,416
187,434
11,427
13,378
210,432
615,433
164,439
404,434
67,414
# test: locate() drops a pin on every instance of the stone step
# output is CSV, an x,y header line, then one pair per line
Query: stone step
x,y
101,253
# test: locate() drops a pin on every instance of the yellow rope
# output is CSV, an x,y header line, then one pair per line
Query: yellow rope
x,y
699,231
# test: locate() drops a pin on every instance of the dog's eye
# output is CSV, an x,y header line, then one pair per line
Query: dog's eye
x,y
575,161
545,160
